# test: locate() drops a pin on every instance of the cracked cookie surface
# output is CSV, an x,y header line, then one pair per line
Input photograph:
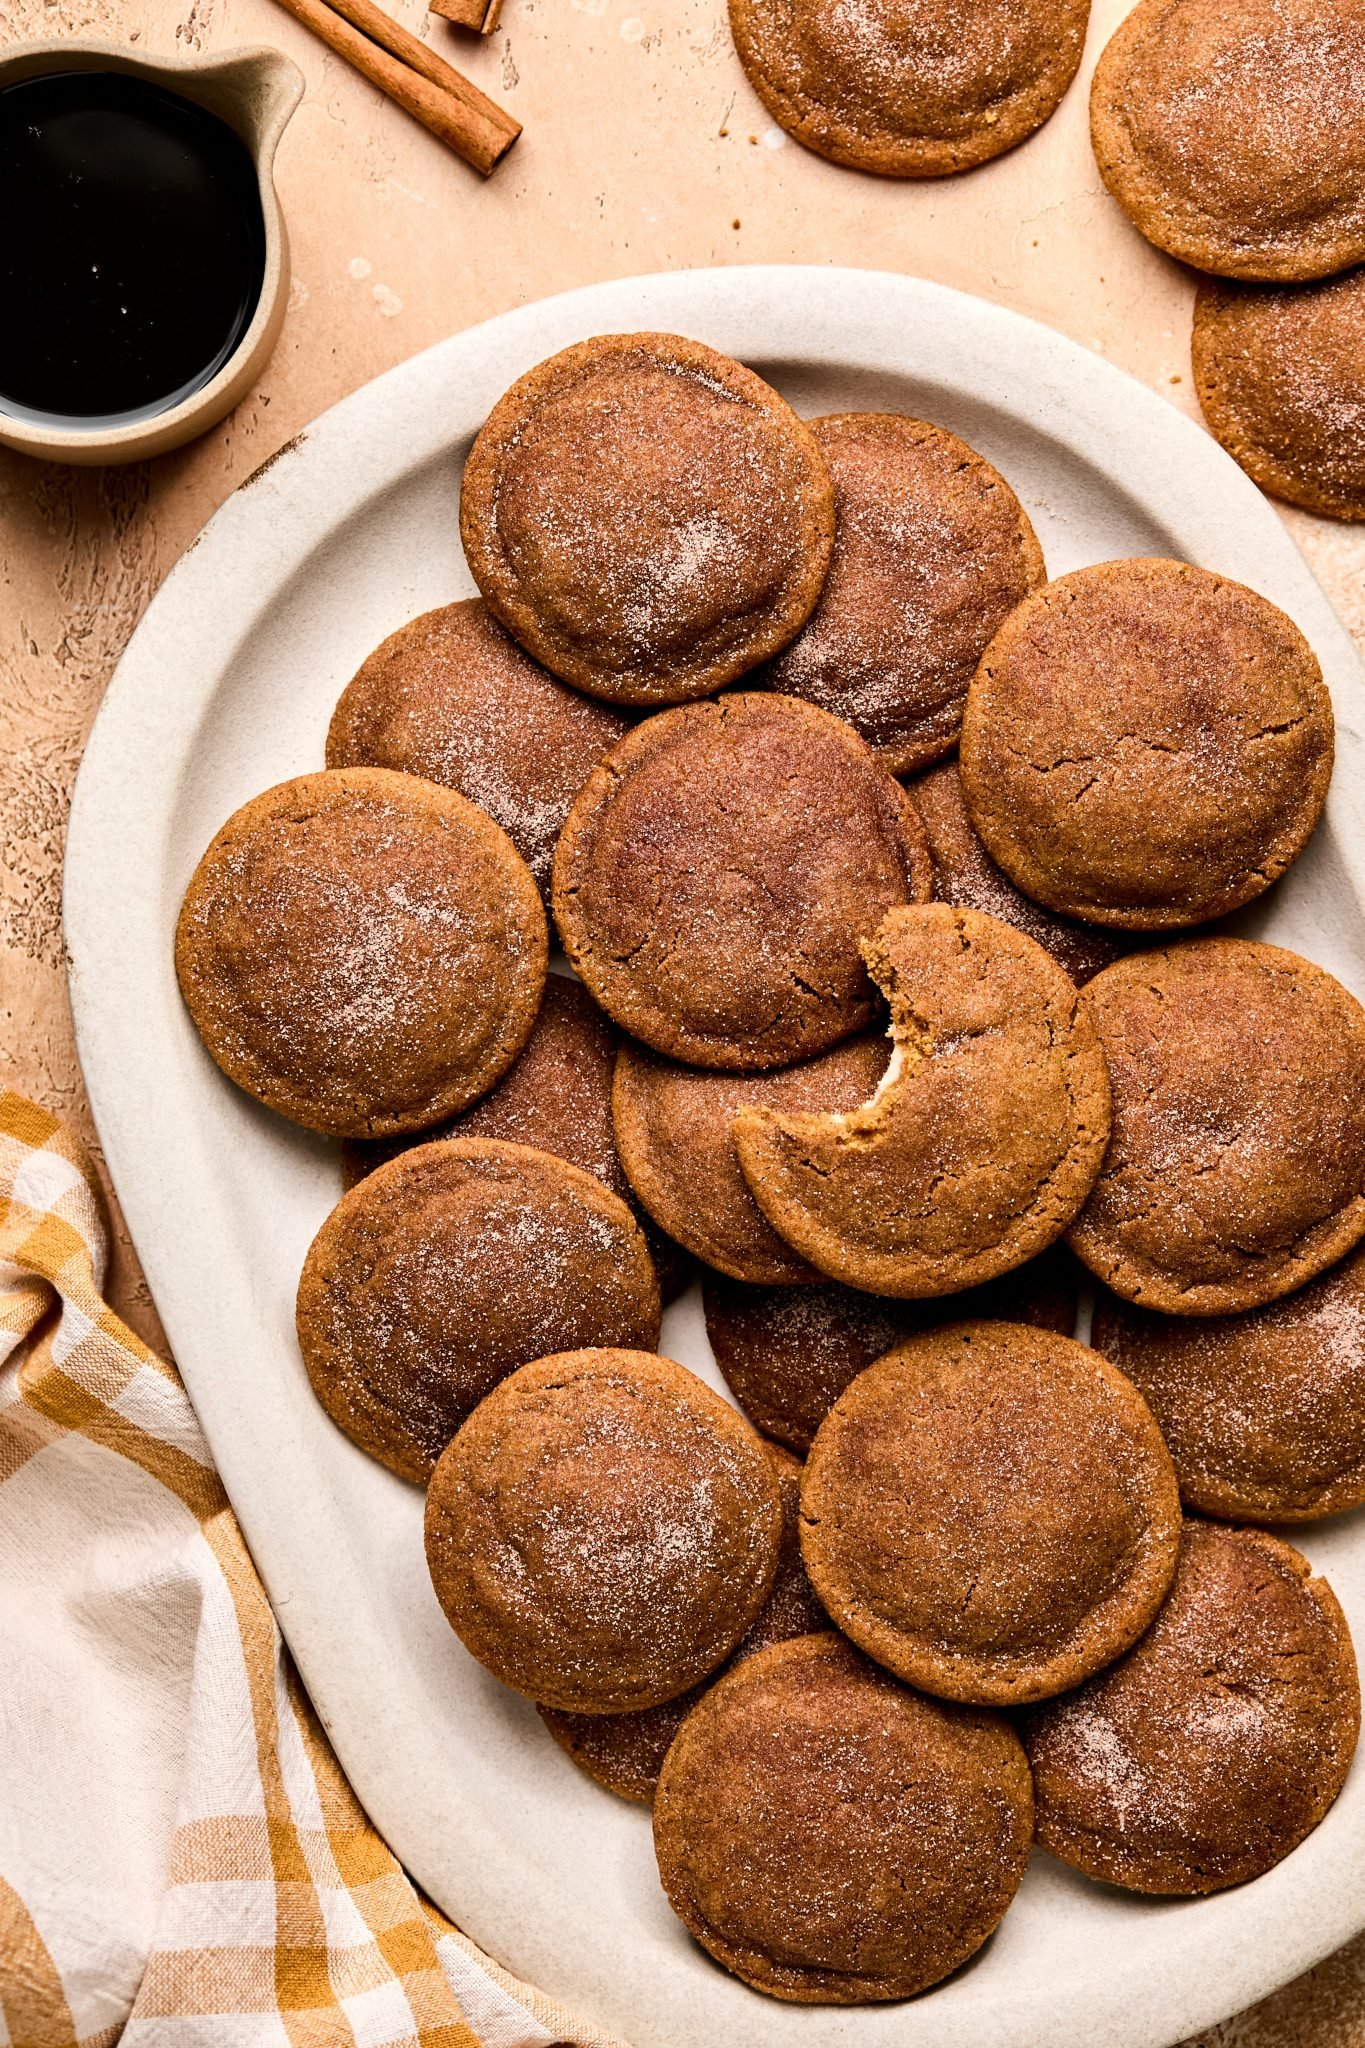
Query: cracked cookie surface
x,y
1219,1741
718,870
834,1839
1146,745
647,517
1236,1168
985,1136
989,1511
603,1530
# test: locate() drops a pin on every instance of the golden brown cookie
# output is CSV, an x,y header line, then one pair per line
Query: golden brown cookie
x,y
603,1530
1236,1168
983,1140
932,551
1146,745
1264,1413
909,88
718,871
556,1097
647,517
361,951
787,1353
834,1839
965,875
451,696
448,1268
1229,132
990,1512
1280,373
674,1134
1208,1752
625,1752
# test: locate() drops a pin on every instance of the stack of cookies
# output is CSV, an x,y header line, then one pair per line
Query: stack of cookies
x,y
914,1057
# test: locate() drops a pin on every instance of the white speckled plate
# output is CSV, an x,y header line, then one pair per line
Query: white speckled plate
x,y
227,687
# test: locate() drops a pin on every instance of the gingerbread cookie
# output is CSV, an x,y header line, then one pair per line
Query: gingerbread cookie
x,y
1280,373
1229,132
674,1133
718,871
648,518
1146,745
908,88
1264,1413
991,1513
833,1839
361,951
448,1268
983,1140
932,551
451,696
1236,1169
603,1530
1208,1752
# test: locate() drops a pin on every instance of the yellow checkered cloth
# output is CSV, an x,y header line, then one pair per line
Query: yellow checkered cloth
x,y
182,1863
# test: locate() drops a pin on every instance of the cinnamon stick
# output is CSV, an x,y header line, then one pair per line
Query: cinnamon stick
x,y
479,15
414,77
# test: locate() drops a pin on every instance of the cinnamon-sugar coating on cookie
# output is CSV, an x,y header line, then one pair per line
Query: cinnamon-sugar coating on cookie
x,y
557,1097
1229,132
451,696
989,1511
674,1132
787,1353
965,875
983,1140
932,551
1236,1168
834,1839
603,1530
1264,1412
1218,1743
647,517
361,951
909,88
1146,745
1280,372
718,871
625,1752
447,1269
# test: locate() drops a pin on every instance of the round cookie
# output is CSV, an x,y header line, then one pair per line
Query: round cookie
x,y
625,1752
1264,1413
984,1138
1208,1752
909,88
787,1353
991,1513
557,1097
648,518
966,876
673,1131
603,1530
1236,1168
833,1839
451,696
1146,745
718,870
1280,373
447,1269
932,551
1229,132
361,951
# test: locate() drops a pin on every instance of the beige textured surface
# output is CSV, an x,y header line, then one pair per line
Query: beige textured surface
x,y
644,150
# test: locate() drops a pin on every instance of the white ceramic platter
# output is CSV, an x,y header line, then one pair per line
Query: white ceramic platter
x,y
226,688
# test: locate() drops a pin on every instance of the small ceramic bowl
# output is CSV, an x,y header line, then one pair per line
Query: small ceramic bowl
x,y
255,91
